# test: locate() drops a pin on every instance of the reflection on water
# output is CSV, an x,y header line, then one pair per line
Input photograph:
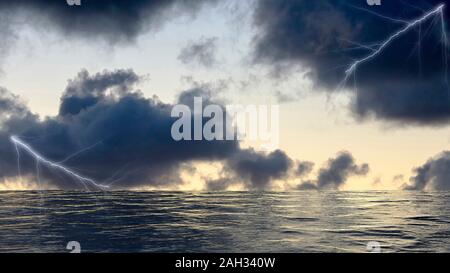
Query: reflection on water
x,y
224,222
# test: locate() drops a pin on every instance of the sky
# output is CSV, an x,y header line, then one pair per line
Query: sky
x,y
106,74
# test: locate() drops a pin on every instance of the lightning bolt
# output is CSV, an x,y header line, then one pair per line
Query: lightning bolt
x,y
378,48
18,143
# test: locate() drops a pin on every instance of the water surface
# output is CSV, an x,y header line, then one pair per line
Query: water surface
x,y
224,222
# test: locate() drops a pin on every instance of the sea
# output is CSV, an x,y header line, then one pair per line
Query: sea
x,y
161,221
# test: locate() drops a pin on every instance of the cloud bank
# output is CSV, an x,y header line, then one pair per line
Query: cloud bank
x,y
131,133
433,175
113,20
406,83
108,131
336,172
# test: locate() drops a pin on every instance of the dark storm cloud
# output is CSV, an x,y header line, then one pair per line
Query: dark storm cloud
x,y
85,90
220,184
129,134
256,170
113,20
336,172
304,168
259,169
201,53
10,104
405,83
108,131
433,175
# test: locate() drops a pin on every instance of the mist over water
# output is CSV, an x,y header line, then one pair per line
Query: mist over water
x,y
307,221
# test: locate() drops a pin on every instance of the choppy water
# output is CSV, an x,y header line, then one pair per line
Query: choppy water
x,y
224,222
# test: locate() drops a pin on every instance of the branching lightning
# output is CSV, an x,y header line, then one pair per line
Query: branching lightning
x,y
377,49
19,144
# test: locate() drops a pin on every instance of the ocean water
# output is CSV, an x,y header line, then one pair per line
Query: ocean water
x,y
306,221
